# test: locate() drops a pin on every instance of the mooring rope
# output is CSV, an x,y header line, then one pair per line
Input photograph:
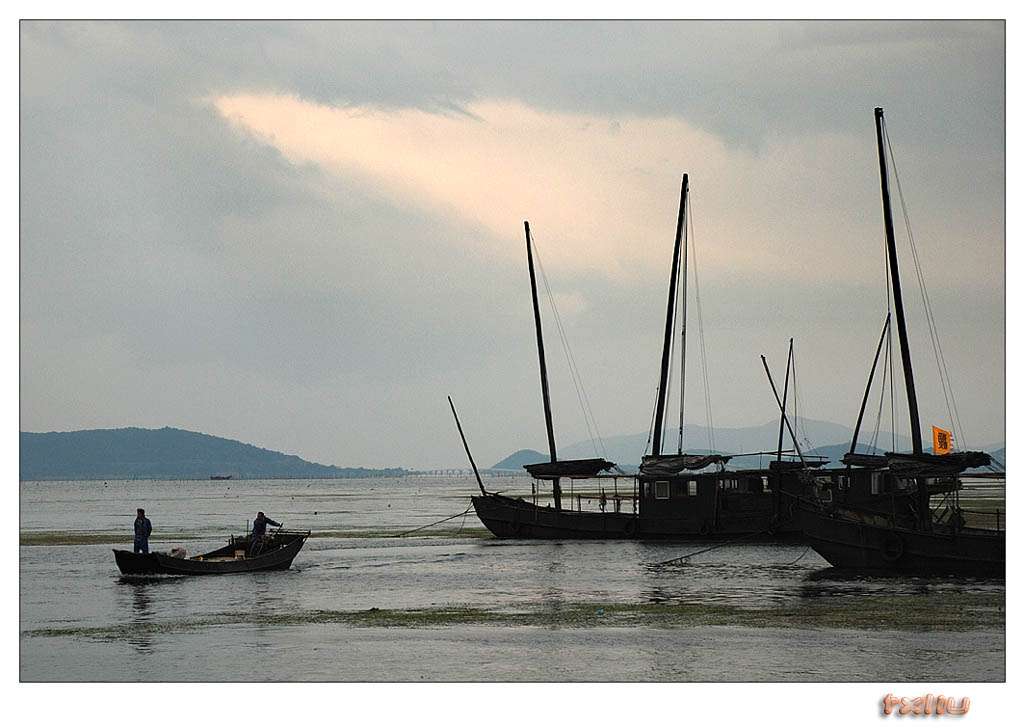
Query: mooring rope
x,y
798,557
406,533
681,559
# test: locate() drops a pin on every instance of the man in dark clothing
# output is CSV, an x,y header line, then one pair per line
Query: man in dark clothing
x,y
259,526
142,530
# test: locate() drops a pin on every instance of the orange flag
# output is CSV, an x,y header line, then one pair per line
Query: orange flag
x,y
942,440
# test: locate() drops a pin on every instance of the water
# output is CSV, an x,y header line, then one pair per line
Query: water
x,y
450,603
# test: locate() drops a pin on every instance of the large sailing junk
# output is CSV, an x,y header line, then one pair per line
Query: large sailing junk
x,y
902,534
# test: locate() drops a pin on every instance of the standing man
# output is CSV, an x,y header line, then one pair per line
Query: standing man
x,y
259,526
142,530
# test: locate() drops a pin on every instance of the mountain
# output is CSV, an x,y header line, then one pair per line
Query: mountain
x,y
518,459
166,454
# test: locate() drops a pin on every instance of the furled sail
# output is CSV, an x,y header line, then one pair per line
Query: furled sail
x,y
865,460
909,465
568,468
925,464
672,464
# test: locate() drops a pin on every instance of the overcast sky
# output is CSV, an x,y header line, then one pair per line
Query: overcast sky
x,y
306,235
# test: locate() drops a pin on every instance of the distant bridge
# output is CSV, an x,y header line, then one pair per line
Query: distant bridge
x,y
467,473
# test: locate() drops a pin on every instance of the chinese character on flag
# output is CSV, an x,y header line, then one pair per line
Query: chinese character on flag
x,y
942,440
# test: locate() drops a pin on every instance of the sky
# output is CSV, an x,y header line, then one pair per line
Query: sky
x,y
306,235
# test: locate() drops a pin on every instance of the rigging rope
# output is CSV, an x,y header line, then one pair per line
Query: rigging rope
x,y
881,398
681,302
700,335
650,429
668,380
691,237
797,419
940,360
893,422
577,379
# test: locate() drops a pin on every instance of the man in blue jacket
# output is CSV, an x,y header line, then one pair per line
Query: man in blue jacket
x,y
142,530
259,526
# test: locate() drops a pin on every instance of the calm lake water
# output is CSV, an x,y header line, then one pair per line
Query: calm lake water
x,y
451,603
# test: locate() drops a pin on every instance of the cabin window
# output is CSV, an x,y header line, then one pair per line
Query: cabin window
x,y
730,484
878,483
823,489
661,489
902,485
844,482
678,490
691,487
647,490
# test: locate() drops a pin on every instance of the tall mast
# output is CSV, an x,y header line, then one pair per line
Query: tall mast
x,y
897,294
682,327
785,396
923,505
543,367
659,415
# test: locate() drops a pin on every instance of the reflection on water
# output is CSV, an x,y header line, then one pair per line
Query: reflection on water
x,y
143,614
107,627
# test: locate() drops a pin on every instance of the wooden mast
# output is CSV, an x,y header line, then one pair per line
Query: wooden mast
x,y
556,487
923,506
465,444
897,293
659,415
867,390
682,294
785,397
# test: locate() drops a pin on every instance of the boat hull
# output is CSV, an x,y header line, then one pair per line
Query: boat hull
x,y
516,518
221,561
851,541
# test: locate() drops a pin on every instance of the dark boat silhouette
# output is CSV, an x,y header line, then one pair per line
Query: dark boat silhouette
x,y
673,496
880,538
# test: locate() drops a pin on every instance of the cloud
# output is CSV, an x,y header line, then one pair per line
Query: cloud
x,y
314,219
600,191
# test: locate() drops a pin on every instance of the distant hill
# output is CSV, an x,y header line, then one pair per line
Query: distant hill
x,y
166,454
696,439
518,459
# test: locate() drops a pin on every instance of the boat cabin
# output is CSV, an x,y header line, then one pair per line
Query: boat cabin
x,y
706,503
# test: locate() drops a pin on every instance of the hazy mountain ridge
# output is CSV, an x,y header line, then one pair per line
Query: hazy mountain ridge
x,y
696,439
167,453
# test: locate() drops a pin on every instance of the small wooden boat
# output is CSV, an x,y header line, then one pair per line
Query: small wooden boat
x,y
240,555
